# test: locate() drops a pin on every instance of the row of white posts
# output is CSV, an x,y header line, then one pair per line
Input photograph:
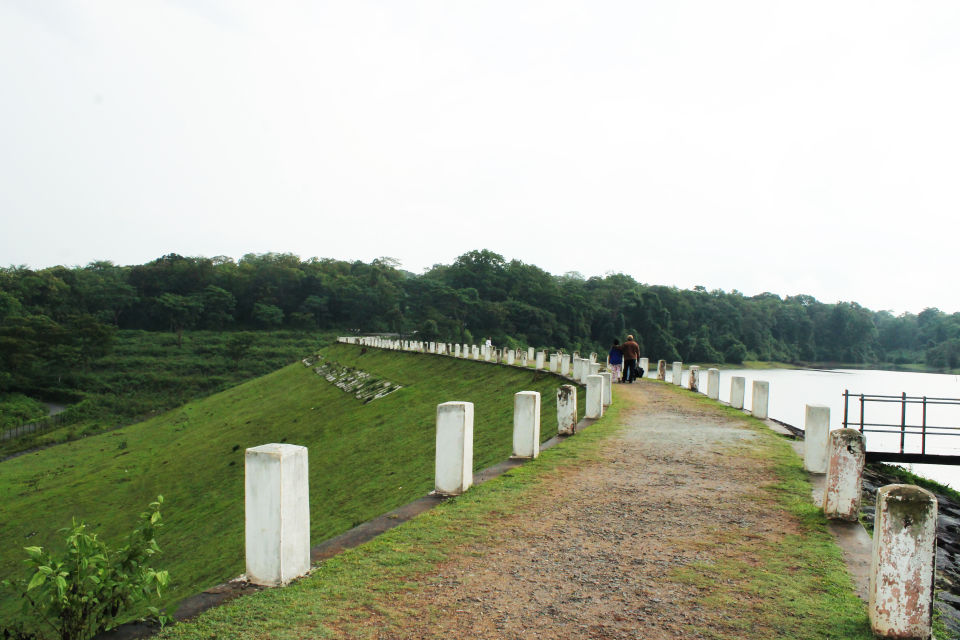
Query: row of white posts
x,y
904,551
277,497
903,555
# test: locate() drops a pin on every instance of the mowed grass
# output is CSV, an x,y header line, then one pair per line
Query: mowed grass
x,y
365,459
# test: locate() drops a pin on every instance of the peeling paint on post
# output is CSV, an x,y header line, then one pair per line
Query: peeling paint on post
x,y
594,407
713,384
607,388
677,373
567,410
662,370
903,562
693,381
738,385
454,456
526,424
760,399
841,494
816,431
277,513
565,364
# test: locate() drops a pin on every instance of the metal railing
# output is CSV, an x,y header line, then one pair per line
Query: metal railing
x,y
40,426
903,427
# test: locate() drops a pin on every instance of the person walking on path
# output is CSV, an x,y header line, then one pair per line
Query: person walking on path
x,y
631,353
615,361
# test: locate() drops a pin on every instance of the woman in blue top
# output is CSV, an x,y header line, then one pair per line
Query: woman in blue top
x,y
615,360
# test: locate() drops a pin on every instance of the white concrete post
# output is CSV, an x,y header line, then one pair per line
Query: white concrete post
x,y
594,368
540,359
565,364
277,503
677,373
523,359
760,399
554,362
584,370
693,382
738,385
530,354
594,397
593,357
487,353
511,356
607,388
454,455
841,493
816,431
645,365
661,370
433,347
567,409
713,384
526,424
903,562
577,369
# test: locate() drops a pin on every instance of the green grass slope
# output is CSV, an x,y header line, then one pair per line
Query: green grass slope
x,y
365,459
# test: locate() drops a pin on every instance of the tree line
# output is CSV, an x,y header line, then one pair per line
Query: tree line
x,y
66,316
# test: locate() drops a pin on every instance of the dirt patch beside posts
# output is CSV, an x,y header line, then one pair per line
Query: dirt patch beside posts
x,y
678,531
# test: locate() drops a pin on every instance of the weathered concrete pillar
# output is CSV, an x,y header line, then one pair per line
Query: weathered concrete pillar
x,y
277,503
526,424
456,351
565,364
433,347
738,385
511,356
454,456
713,384
593,357
487,353
903,562
584,370
841,494
523,359
540,360
554,362
760,399
530,354
607,388
594,407
645,365
594,368
661,370
567,409
677,373
816,431
693,382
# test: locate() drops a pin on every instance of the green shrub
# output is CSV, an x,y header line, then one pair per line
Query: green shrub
x,y
82,592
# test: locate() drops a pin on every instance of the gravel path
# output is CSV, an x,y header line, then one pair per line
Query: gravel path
x,y
591,558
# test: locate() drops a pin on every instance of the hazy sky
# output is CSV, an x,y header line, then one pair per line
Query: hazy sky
x,y
793,147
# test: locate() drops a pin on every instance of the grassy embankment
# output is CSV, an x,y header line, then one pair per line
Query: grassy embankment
x,y
365,459
795,588
146,373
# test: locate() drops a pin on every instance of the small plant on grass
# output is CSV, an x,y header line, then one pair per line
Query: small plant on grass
x,y
83,591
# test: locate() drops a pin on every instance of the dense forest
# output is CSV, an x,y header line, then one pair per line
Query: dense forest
x,y
60,317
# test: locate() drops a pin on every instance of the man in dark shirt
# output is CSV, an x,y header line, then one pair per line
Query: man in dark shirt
x,y
631,353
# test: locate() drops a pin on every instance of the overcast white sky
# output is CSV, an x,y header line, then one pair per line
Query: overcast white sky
x,y
793,147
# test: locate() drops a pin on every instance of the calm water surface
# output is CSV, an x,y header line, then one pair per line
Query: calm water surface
x,y
792,389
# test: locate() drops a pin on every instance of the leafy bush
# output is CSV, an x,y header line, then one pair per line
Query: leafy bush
x,y
84,590
17,409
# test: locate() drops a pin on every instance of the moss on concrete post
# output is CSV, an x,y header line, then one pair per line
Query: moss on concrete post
x,y
454,452
841,494
816,432
760,399
662,370
693,380
526,424
567,410
903,562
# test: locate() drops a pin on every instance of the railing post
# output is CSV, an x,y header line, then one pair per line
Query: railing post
x,y
693,382
526,424
846,399
816,432
844,484
713,384
903,420
923,436
903,561
861,413
677,373
454,453
760,400
738,385
567,409
594,396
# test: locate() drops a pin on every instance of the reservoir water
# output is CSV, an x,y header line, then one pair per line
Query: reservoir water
x,y
792,389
